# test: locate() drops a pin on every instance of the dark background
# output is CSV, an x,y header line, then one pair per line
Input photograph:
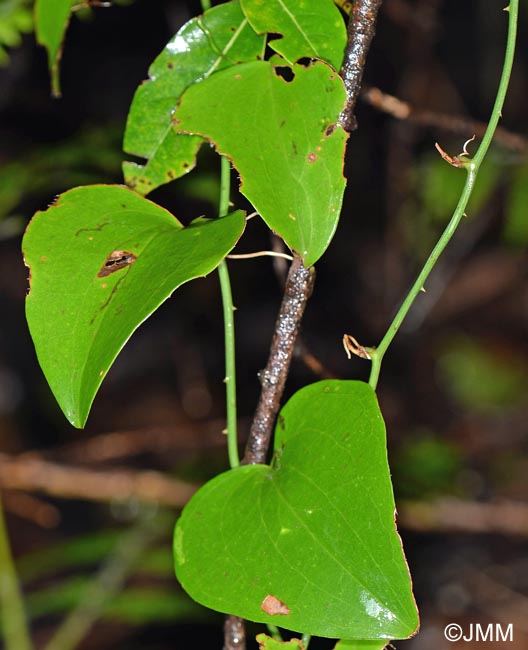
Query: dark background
x,y
453,385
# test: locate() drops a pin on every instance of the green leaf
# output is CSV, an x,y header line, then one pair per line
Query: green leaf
x,y
219,39
308,28
425,465
51,21
16,18
440,186
268,643
314,532
143,605
135,606
82,551
361,645
101,260
483,376
285,145
516,221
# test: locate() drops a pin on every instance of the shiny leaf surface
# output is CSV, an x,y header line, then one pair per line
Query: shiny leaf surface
x,y
305,28
283,139
221,38
101,260
308,543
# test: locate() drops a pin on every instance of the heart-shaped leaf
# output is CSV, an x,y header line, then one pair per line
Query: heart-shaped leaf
x,y
221,38
308,544
308,28
283,139
51,21
102,259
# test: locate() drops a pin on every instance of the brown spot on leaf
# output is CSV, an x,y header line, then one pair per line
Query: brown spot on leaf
x,y
330,129
170,65
273,606
43,258
115,261
312,157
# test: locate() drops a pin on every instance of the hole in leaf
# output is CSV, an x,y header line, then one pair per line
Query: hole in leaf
x,y
306,62
284,72
274,36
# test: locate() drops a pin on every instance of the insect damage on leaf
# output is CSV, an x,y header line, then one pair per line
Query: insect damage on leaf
x,y
115,261
273,606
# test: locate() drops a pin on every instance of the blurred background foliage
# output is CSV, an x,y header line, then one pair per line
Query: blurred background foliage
x,y
453,387
16,19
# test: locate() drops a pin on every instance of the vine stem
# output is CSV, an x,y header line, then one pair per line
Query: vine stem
x,y
361,30
234,630
472,167
15,630
229,327
228,309
298,288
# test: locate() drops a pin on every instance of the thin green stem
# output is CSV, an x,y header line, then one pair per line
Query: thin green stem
x,y
206,4
229,328
14,628
274,631
472,167
306,638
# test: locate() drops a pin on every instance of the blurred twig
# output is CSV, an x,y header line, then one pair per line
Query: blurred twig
x,y
33,474
32,509
450,515
311,361
106,584
443,515
125,444
457,124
